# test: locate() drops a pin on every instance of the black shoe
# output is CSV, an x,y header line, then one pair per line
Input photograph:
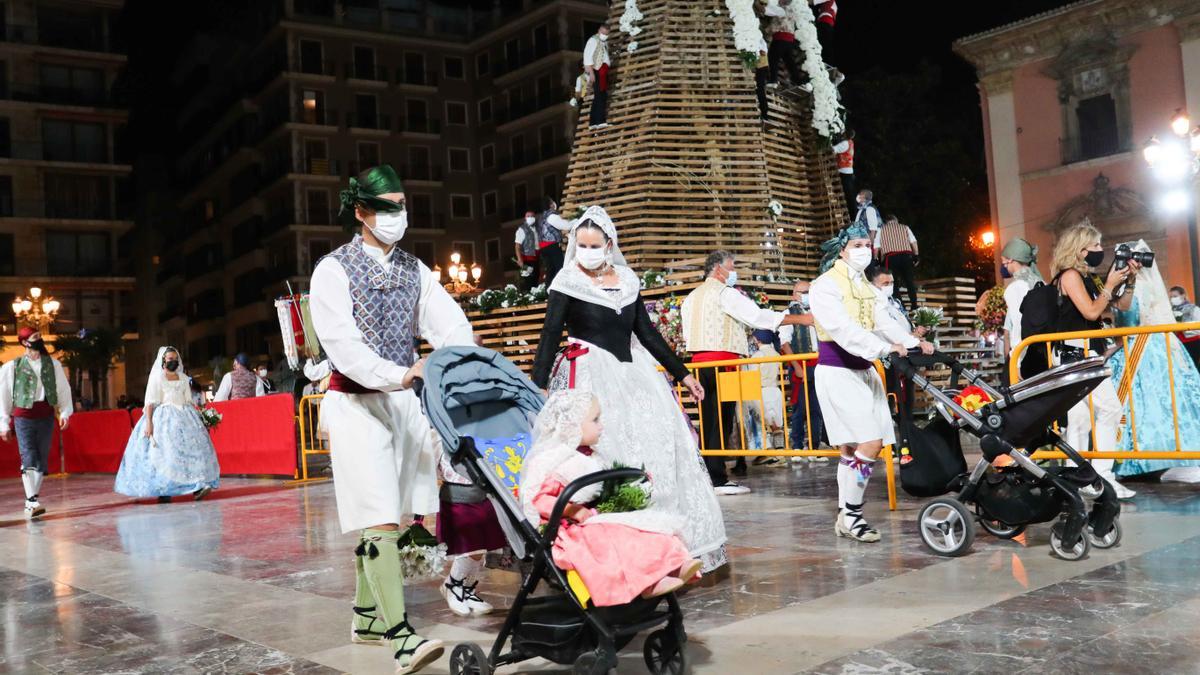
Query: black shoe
x,y
739,470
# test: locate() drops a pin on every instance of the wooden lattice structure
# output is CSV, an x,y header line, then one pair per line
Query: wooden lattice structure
x,y
687,166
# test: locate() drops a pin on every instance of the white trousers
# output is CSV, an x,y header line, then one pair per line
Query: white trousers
x,y
1107,411
384,464
854,406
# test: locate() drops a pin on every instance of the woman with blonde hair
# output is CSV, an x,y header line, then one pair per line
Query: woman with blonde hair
x,y
1077,254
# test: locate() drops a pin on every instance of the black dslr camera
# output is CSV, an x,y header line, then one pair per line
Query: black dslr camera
x,y
1124,254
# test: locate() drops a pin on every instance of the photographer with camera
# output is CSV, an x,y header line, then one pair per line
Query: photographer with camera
x,y
1077,254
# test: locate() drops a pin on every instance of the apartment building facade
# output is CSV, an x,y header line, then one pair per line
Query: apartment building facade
x,y
471,106
65,203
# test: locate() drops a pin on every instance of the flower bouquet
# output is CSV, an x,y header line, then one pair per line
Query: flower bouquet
x,y
972,398
421,556
991,318
209,417
623,495
653,279
928,318
774,209
668,320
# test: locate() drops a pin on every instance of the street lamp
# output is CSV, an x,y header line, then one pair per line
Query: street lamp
x,y
1176,162
463,280
36,310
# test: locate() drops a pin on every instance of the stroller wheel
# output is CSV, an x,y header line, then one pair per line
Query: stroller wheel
x,y
592,663
998,529
1077,552
469,658
946,527
664,655
1109,540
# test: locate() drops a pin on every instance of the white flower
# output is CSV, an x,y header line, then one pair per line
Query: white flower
x,y
775,208
716,12
630,18
574,103
635,31
632,47
746,31
504,304
826,118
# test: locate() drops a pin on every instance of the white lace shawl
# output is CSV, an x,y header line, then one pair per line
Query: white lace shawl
x,y
573,282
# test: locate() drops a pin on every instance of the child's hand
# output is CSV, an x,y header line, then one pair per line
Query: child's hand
x,y
577,512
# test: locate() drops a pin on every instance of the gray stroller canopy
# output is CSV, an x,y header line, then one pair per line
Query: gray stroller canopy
x,y
471,391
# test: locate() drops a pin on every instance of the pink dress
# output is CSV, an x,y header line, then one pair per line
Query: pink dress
x,y
616,562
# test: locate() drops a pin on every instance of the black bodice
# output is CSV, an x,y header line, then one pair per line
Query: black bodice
x,y
603,327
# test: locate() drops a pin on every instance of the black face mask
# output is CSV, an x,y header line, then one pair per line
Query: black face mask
x,y
1004,273
1094,258
38,346
171,365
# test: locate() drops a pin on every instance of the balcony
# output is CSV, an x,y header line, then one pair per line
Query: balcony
x,y
542,101
419,172
369,120
39,93
420,125
36,150
540,153
58,208
355,71
170,313
424,78
320,167
80,36
319,116
1082,148
313,67
526,57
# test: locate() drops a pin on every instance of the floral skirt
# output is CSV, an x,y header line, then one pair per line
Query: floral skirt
x,y
178,460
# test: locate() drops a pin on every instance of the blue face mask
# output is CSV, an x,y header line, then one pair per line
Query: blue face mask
x,y
1004,273
731,278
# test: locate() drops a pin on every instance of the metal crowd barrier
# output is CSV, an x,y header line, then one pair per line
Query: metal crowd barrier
x,y
1133,348
740,381
312,440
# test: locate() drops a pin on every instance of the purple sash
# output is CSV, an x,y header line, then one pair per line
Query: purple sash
x,y
832,354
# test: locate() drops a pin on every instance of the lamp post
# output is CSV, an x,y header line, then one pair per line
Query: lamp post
x,y
463,280
36,310
1175,162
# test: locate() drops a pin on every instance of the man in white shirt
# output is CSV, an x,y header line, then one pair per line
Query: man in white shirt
x,y
597,63
525,245
805,407
369,302
715,317
867,214
241,382
32,388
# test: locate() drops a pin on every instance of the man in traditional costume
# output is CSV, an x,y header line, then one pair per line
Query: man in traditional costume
x,y
715,317
850,319
597,63
241,382
32,388
525,244
369,301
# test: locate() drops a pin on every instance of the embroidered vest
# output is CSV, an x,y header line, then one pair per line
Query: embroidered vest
x,y
385,300
857,297
244,384
529,246
25,381
546,231
600,54
802,342
706,327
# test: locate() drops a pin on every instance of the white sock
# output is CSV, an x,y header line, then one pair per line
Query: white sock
x,y
1103,466
27,480
844,478
465,568
37,481
856,481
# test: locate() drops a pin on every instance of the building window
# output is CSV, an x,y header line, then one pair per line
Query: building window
x,y
77,254
72,85
317,207
456,113
418,115
489,203
312,56
512,54
73,141
7,260
460,206
77,196
546,141
460,159
364,63
485,110
414,68
483,64
366,111
487,156
466,249
317,249
312,107
418,163
425,252
316,157
589,29
520,200
550,186
541,41
5,135
6,197
368,155
492,250
516,147
210,210
420,205
454,68
1097,119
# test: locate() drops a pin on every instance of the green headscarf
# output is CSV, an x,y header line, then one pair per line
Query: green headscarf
x,y
1025,253
832,249
365,189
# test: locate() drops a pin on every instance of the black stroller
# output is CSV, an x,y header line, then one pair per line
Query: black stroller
x,y
1007,499
470,393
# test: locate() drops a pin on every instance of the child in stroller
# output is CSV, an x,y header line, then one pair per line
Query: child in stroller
x,y
1007,499
470,394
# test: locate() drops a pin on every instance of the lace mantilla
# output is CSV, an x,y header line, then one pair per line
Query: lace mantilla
x,y
571,281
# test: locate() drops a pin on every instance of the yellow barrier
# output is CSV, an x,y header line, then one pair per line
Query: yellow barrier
x,y
1142,335
312,442
745,386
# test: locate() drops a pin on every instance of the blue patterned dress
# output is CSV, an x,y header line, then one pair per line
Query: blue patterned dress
x,y
1151,398
180,459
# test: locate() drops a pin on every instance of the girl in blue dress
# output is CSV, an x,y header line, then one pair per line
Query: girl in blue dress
x,y
169,452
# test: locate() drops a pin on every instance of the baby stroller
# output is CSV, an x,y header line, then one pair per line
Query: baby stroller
x,y
1008,499
471,394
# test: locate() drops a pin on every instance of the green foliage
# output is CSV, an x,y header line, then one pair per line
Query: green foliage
x,y
90,351
749,59
623,495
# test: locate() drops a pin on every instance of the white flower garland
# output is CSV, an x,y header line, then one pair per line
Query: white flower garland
x,y
746,31
630,18
827,119
632,46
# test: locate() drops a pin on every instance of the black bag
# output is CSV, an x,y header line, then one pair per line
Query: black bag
x,y
935,458
1040,310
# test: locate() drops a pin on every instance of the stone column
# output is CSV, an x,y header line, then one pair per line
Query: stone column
x,y
997,88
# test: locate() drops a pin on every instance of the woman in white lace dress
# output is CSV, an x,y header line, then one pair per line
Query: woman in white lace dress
x,y
613,351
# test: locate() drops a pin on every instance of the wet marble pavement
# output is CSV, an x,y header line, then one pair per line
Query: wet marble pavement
x,y
258,579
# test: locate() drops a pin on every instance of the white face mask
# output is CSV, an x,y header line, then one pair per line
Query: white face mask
x,y
262,373
591,258
731,278
859,258
1176,301
804,299
529,220
886,291
390,226
602,36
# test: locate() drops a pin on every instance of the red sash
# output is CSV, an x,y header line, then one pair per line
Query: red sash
x,y
570,353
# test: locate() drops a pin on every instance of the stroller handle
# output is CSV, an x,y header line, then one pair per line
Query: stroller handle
x,y
907,366
577,485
